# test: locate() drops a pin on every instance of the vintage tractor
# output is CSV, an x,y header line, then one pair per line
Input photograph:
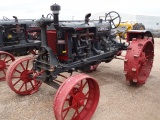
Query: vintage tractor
x,y
124,27
18,36
68,46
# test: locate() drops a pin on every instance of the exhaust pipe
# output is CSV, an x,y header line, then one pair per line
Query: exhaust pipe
x,y
55,8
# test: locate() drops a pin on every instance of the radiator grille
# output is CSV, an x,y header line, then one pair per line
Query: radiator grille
x,y
51,40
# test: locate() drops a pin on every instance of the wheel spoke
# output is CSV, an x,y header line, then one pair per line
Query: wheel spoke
x,y
22,66
16,82
18,71
7,65
113,24
115,18
84,107
32,84
27,65
84,85
5,57
15,77
26,86
80,84
8,60
2,56
76,112
110,16
21,87
87,93
67,110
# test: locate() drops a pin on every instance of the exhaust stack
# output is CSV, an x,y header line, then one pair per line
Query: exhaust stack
x,y
55,8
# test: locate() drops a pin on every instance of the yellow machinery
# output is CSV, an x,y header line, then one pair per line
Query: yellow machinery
x,y
125,26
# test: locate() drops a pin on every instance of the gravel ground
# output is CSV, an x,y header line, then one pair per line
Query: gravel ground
x,y
118,101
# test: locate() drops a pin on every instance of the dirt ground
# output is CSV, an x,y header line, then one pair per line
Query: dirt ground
x,y
118,101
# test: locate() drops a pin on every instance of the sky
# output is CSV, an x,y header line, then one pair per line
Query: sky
x,y
76,9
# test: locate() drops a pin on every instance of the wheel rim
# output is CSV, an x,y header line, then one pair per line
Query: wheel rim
x,y
139,60
5,60
77,98
19,78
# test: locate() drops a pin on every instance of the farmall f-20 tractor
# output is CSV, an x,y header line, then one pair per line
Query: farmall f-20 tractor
x,y
69,46
16,37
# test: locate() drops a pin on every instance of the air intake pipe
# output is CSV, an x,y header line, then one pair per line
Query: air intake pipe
x,y
55,8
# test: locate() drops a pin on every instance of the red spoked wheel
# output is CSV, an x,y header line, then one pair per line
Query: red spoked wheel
x,y
5,60
77,98
20,78
139,60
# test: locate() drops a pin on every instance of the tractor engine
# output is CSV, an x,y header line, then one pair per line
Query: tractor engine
x,y
79,41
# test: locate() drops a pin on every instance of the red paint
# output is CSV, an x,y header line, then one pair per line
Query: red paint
x,y
5,60
19,80
76,92
138,60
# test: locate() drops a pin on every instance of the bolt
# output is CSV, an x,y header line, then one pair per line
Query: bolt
x,y
136,56
125,60
134,69
135,80
140,44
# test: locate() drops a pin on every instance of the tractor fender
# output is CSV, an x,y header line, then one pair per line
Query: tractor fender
x,y
139,34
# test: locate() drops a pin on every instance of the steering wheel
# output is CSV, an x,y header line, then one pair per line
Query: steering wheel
x,y
112,17
5,18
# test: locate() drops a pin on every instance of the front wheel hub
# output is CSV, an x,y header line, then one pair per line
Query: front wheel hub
x,y
25,76
78,100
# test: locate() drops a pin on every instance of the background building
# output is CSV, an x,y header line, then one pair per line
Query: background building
x,y
150,22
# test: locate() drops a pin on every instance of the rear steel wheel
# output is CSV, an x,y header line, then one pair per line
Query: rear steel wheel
x,y
20,78
138,61
77,98
5,60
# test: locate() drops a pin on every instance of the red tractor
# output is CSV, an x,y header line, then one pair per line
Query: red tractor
x,y
68,46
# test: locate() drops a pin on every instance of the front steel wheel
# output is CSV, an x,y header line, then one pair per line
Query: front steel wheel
x,y
20,78
77,98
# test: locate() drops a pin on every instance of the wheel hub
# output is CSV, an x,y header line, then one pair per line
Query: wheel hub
x,y
78,100
2,65
25,76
